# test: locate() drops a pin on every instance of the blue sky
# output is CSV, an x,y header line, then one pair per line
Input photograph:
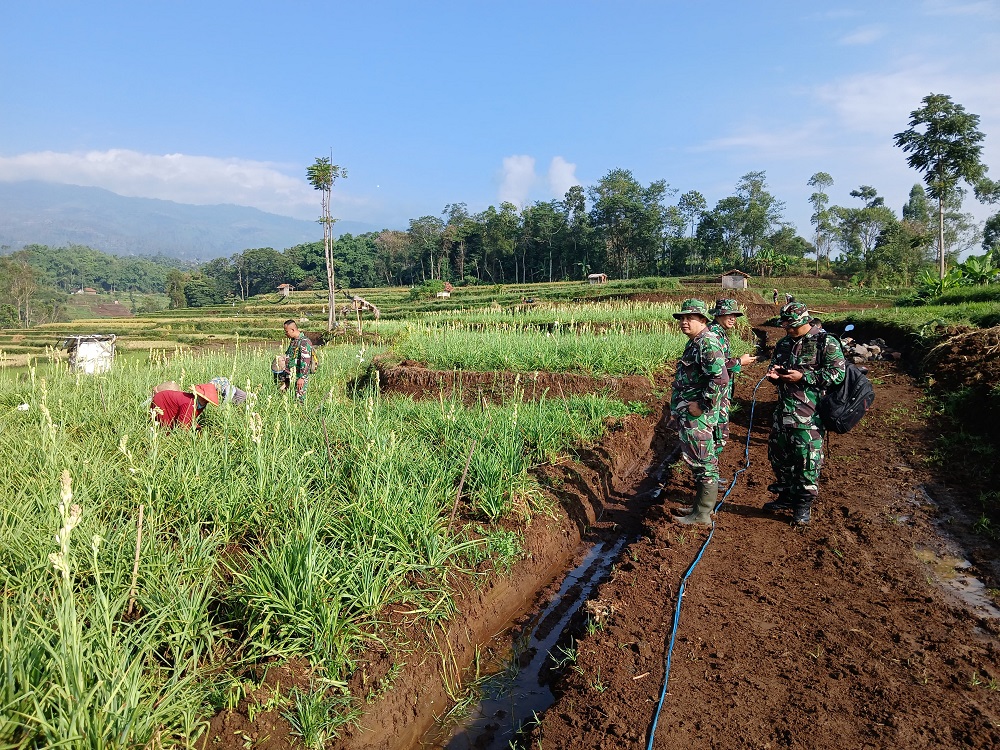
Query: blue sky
x,y
428,103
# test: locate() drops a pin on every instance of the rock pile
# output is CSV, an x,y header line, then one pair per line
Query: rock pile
x,y
875,349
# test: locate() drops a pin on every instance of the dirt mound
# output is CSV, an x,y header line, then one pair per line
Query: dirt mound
x,y
414,379
967,360
835,636
112,310
746,297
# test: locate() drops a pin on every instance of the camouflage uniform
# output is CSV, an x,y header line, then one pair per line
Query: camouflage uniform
x,y
795,447
733,366
299,354
701,378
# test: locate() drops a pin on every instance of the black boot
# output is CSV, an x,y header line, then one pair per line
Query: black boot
x,y
802,513
704,504
782,502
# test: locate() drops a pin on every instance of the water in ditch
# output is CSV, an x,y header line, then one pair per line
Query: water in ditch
x,y
507,690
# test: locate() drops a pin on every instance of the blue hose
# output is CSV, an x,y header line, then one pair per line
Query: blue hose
x,y
690,570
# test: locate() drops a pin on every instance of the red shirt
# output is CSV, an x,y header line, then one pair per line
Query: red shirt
x,y
171,408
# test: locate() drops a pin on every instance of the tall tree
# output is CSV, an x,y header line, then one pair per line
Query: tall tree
x,y
761,212
821,219
691,206
321,174
945,144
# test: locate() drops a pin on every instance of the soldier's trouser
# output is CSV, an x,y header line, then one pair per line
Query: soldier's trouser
x,y
796,456
300,392
697,435
721,433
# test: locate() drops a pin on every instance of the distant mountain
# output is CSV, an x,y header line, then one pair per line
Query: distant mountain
x,y
45,213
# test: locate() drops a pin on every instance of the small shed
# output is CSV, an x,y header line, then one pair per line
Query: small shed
x,y
597,278
735,279
90,354
285,289
443,295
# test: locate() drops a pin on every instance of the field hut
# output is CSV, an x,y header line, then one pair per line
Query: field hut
x,y
90,354
597,278
285,290
444,294
735,280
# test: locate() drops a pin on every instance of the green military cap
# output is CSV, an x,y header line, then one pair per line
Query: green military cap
x,y
725,307
794,314
693,307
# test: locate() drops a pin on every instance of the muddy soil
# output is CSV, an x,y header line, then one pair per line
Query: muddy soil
x,y
414,379
839,635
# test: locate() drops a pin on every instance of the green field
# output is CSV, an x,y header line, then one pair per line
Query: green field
x,y
278,530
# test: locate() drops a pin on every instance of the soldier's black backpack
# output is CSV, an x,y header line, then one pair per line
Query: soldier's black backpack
x,y
844,404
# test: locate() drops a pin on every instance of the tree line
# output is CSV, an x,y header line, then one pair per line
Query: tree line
x,y
617,226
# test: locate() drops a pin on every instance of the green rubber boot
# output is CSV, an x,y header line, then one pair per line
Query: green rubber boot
x,y
704,504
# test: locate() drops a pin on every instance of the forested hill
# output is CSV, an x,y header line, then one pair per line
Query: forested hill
x,y
61,215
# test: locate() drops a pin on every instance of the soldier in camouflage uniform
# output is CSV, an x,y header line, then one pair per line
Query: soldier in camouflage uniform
x,y
298,359
805,363
699,386
725,313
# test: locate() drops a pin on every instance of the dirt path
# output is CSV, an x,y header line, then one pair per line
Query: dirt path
x,y
833,637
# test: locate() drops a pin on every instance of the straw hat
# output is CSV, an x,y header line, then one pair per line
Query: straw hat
x,y
207,392
170,385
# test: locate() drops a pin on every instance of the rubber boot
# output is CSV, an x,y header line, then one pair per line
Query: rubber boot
x,y
704,504
802,513
781,502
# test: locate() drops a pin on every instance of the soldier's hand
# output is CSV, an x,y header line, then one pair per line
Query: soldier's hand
x,y
747,359
694,410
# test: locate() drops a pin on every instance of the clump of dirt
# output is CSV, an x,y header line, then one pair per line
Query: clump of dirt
x,y
969,359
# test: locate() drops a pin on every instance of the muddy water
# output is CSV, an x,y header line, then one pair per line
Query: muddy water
x,y
508,682
946,565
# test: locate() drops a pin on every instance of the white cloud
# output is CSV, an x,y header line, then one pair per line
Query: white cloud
x,y
984,8
200,180
881,102
562,176
863,35
517,178
772,143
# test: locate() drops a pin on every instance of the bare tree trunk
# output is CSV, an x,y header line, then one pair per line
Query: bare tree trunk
x,y
941,235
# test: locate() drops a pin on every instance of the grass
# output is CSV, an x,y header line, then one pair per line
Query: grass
x,y
611,352
276,531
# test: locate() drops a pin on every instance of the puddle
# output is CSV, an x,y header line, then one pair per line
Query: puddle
x,y
511,693
951,573
949,568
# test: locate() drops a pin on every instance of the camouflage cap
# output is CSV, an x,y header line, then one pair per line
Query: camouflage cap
x,y
693,307
794,314
725,307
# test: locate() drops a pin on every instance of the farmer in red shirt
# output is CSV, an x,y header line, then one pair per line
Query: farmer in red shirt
x,y
171,406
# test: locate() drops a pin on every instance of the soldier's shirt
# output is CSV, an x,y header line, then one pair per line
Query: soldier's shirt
x,y
821,360
732,363
701,376
299,355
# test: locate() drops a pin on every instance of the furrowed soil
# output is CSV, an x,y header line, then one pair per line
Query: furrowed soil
x,y
839,635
